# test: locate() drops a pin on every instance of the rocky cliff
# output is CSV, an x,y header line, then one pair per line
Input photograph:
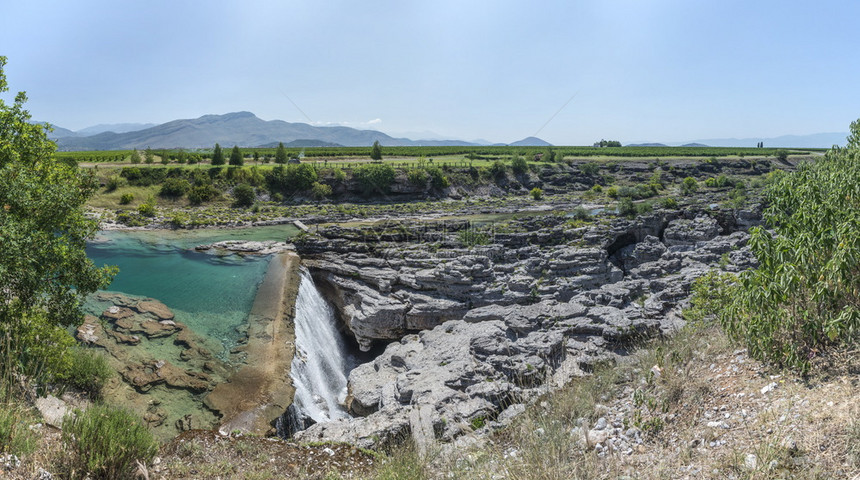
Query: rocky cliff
x,y
477,321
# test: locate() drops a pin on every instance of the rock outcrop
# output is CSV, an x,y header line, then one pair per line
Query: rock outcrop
x,y
473,331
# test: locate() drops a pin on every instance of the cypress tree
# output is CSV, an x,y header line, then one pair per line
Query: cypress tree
x,y
281,154
236,156
218,156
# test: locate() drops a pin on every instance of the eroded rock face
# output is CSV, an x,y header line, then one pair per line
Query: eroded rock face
x,y
479,329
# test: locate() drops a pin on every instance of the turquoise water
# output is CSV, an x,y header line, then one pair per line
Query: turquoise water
x,y
210,294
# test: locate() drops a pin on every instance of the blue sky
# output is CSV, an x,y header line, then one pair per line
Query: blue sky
x,y
658,70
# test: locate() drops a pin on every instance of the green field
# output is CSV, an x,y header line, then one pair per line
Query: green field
x,y
478,156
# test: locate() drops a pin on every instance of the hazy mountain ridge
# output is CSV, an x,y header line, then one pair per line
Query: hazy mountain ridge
x,y
244,129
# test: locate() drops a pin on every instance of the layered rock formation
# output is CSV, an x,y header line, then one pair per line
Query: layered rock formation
x,y
473,332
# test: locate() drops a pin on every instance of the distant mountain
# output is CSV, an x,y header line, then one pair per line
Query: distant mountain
x,y
696,145
815,140
531,142
646,145
239,128
59,132
113,127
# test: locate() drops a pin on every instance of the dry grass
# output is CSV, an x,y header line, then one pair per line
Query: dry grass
x,y
799,428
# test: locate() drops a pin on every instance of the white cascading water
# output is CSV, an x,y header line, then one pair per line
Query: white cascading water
x,y
319,367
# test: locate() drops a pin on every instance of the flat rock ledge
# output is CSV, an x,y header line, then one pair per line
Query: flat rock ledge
x,y
243,247
261,390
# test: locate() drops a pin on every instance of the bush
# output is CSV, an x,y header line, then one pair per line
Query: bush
x,y
803,296
498,170
519,165
689,186
147,209
590,168
114,182
536,193
174,187
669,202
89,371
126,198
202,193
437,179
782,155
290,179
243,195
339,175
580,213
106,442
375,177
320,190
626,208
417,177
612,192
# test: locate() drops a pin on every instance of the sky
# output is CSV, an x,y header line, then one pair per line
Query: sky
x,y
571,72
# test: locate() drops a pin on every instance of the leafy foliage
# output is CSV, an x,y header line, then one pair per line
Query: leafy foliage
x,y
243,195
376,151
44,270
89,371
805,294
106,441
290,179
375,177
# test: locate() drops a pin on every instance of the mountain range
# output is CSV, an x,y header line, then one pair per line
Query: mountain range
x,y
815,140
239,128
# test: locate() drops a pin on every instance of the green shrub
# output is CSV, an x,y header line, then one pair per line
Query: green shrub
x,y
597,188
498,170
590,168
126,198
612,192
580,213
339,175
626,207
243,195
669,202
289,179
689,186
803,296
519,165
174,187
147,209
114,182
417,177
536,193
782,155
89,371
375,177
106,442
202,193
320,190
437,179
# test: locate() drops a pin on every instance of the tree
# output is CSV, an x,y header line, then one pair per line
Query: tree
x,y
281,154
236,156
376,151
44,269
135,157
148,156
217,156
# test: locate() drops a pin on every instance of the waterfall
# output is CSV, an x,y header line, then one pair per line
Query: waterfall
x,y
319,368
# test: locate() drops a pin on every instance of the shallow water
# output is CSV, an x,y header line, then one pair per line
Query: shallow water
x,y
211,294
